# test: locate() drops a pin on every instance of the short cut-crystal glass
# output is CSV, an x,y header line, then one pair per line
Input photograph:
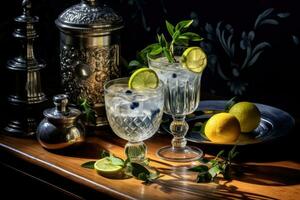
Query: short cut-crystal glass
x,y
134,115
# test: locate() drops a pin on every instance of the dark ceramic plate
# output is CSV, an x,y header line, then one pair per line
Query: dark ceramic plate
x,y
274,123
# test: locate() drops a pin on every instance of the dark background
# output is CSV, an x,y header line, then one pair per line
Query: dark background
x,y
272,79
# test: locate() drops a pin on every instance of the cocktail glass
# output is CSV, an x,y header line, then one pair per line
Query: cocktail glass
x,y
182,96
134,115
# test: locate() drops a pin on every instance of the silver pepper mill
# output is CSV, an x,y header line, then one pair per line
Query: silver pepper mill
x,y
26,96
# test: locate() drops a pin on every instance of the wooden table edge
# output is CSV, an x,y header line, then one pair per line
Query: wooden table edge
x,y
65,173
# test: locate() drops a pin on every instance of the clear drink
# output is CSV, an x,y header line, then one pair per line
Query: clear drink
x,y
133,115
182,97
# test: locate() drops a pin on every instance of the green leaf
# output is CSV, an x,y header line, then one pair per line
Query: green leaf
x,y
176,35
89,165
134,64
204,178
204,160
168,55
192,36
163,41
104,153
183,25
116,161
230,103
214,171
138,169
156,51
219,154
197,126
143,177
170,28
200,168
182,42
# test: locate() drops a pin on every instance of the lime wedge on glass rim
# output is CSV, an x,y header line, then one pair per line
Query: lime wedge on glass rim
x,y
143,78
194,59
105,168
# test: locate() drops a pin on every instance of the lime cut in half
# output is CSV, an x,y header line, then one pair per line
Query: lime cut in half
x,y
143,78
105,168
194,59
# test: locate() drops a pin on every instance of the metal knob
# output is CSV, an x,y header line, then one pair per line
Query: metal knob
x,y
61,101
89,2
26,5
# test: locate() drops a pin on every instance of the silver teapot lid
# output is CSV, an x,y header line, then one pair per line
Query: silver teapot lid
x,y
61,111
88,16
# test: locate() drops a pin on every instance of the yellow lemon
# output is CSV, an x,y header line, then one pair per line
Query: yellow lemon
x,y
248,115
222,128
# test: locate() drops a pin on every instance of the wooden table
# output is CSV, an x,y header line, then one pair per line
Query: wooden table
x,y
261,180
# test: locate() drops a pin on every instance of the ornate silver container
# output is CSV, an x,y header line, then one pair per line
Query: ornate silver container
x,y
89,52
61,126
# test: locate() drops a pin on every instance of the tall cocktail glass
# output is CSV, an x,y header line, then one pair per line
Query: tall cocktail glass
x,y
182,97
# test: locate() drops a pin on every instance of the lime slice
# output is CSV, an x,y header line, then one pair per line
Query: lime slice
x,y
194,59
105,168
143,78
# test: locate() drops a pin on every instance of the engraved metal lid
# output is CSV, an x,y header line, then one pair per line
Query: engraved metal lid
x,y
88,16
61,112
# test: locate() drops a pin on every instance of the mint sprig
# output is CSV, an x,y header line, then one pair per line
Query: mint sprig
x,y
208,171
179,36
134,169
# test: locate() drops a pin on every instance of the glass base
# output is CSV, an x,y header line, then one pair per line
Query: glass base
x,y
184,154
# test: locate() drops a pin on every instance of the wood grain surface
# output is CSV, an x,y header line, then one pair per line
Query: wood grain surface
x,y
261,180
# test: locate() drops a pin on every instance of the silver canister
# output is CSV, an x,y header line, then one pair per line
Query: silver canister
x,y
89,53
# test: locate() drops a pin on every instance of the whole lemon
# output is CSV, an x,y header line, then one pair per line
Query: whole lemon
x,y
222,128
248,115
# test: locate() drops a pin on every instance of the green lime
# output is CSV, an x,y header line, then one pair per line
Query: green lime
x,y
143,78
105,168
248,115
194,59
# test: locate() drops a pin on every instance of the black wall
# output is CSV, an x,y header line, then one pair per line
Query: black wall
x,y
272,79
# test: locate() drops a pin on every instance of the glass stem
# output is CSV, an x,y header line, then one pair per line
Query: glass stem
x,y
136,151
179,128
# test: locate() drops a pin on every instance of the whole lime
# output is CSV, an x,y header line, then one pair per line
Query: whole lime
x,y
248,115
222,128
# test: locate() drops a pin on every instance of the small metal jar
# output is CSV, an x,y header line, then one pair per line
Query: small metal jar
x,y
61,126
89,53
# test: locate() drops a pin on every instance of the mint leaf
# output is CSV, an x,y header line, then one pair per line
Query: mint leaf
x,y
204,178
104,153
168,55
183,25
200,168
192,36
170,28
89,164
139,169
176,35
214,171
134,64
156,51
